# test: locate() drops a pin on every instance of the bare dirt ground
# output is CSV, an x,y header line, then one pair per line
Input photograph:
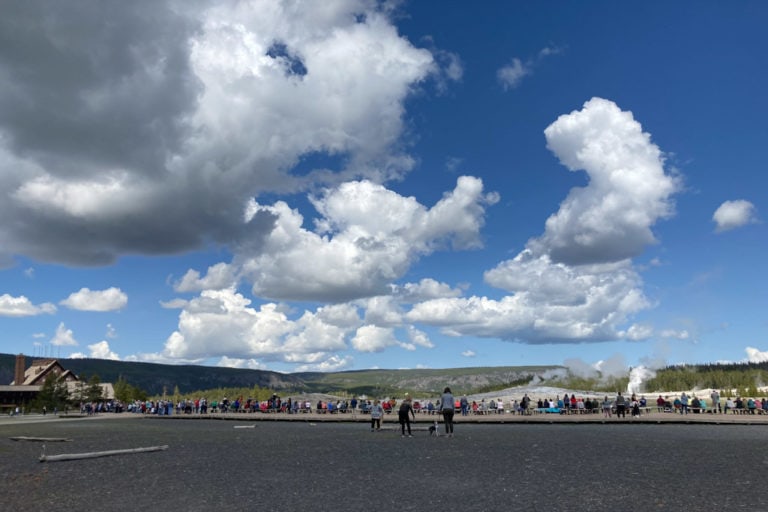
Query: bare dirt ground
x,y
315,464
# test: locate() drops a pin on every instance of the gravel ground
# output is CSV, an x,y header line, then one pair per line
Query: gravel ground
x,y
279,466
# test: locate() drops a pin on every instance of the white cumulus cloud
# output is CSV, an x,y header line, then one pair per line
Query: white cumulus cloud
x,y
111,299
755,355
628,192
371,338
22,306
334,363
223,323
368,236
101,350
217,103
218,276
63,337
576,282
427,288
734,214
231,362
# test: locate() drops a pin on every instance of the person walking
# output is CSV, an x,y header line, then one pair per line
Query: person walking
x,y
377,411
404,414
447,409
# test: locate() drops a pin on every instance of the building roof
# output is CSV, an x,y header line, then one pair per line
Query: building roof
x,y
35,375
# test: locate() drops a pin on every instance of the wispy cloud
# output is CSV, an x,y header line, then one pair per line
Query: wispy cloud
x,y
511,75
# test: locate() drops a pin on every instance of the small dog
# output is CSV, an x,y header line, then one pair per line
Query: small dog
x,y
433,430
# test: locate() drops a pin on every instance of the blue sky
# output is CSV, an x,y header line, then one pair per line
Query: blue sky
x,y
304,186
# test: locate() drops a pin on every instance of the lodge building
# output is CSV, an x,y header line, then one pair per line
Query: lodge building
x,y
28,381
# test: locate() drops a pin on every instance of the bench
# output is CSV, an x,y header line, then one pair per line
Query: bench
x,y
547,410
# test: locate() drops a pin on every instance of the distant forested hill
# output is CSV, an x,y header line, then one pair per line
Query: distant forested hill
x,y
739,378
156,378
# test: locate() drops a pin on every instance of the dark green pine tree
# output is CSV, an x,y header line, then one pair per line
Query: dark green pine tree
x,y
53,394
94,391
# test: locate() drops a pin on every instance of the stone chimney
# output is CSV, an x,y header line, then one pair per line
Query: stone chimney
x,y
21,364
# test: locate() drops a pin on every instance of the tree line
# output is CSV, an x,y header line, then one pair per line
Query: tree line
x,y
741,379
56,395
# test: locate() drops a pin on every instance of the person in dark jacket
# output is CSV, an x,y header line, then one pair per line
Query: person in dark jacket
x,y
404,414
621,406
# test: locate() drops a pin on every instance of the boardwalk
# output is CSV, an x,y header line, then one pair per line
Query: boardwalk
x,y
651,416
422,419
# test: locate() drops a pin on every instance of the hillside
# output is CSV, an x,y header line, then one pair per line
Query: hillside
x,y
154,378
427,381
741,378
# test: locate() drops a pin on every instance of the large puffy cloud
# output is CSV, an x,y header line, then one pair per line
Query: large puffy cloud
x,y
606,301
576,282
367,237
734,214
116,116
372,338
611,218
223,323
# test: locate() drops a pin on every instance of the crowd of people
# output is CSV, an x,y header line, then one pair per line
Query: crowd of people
x,y
619,406
446,406
695,404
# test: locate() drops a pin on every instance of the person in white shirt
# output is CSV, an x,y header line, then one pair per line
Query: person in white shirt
x,y
377,411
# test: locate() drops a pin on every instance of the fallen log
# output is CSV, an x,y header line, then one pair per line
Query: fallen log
x,y
41,439
93,455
